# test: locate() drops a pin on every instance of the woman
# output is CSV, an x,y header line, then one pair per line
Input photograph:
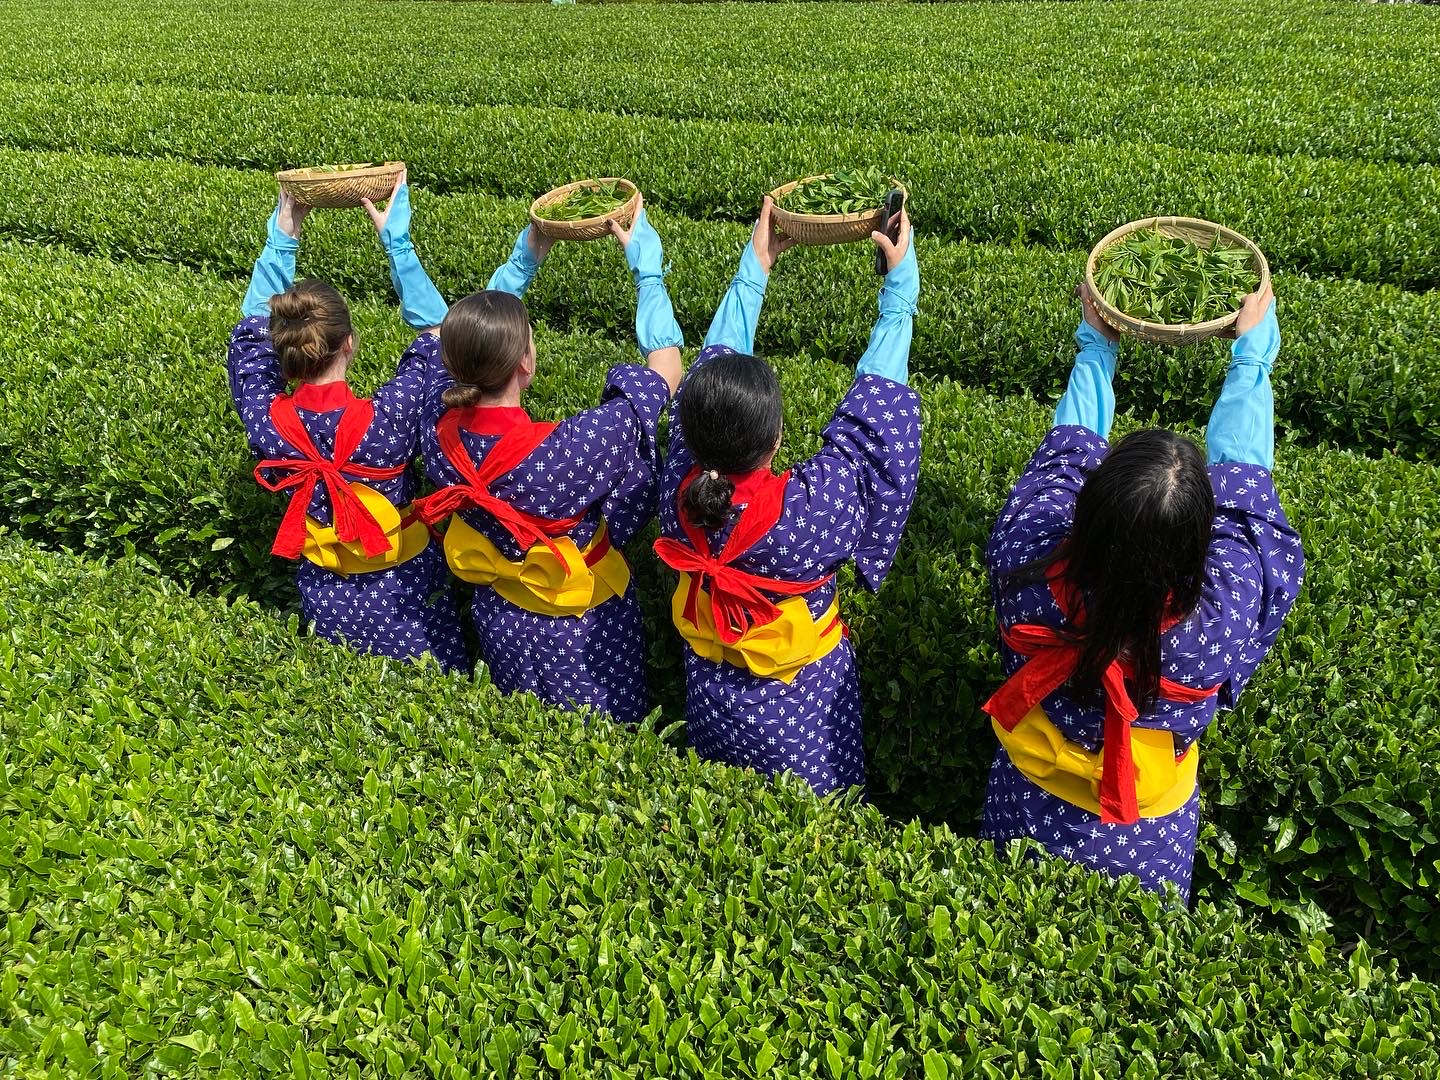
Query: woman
x,y
770,673
368,575
538,512
1137,590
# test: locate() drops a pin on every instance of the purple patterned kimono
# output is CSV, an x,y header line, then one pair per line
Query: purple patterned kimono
x,y
849,501
401,612
1252,577
601,463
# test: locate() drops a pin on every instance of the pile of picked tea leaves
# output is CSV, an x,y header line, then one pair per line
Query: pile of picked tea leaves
x,y
589,201
845,191
1171,280
346,168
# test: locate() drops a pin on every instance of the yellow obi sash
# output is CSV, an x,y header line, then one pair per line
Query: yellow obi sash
x,y
777,649
324,548
568,584
1068,771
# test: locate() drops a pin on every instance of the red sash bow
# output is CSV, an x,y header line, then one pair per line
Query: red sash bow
x,y
736,601
516,443
1052,659
352,520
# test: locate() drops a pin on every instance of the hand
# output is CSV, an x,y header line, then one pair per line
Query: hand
x,y
769,243
1092,315
290,214
623,235
378,218
1253,309
894,249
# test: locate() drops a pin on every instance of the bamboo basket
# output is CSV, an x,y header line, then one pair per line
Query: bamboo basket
x,y
816,229
314,187
592,228
1198,230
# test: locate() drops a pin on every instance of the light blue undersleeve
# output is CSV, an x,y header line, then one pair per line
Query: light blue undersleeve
x,y
739,311
888,354
517,272
421,304
274,270
655,325
1242,423
1089,400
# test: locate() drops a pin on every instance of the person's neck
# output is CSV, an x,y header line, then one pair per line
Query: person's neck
x,y
334,373
509,398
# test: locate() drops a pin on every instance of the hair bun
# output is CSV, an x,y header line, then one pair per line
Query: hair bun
x,y
309,324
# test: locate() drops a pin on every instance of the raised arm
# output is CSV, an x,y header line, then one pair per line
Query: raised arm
x,y
516,273
275,268
1242,423
1089,400
656,331
421,304
888,354
739,311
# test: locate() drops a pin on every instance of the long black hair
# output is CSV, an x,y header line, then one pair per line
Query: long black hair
x,y
730,415
1136,553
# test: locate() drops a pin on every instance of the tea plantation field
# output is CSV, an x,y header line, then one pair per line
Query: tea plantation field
x,y
227,849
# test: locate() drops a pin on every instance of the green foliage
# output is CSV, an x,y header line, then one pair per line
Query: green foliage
x,y
135,449
1359,367
232,850
845,191
591,201
1302,79
1165,279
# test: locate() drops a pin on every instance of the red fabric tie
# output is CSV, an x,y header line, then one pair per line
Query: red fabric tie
x,y
1051,660
513,447
352,520
736,602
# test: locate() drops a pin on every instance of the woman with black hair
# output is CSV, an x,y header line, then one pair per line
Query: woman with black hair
x,y
1137,590
770,673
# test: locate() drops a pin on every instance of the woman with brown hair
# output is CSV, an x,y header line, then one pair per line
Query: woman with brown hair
x,y
538,512
368,575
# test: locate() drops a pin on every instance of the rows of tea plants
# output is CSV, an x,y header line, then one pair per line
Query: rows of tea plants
x,y
199,801
1360,369
221,858
1366,220
1005,69
117,436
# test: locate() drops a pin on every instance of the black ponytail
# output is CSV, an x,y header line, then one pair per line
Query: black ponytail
x,y
730,415
707,500
1136,553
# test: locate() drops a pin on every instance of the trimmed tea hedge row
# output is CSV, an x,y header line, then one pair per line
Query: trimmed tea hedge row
x,y
231,850
1359,367
1374,222
1320,790
1146,79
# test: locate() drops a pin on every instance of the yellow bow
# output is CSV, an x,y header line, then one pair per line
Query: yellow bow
x,y
324,548
776,650
543,582
1069,771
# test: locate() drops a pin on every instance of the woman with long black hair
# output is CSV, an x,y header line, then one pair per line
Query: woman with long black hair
x,y
771,682
1137,588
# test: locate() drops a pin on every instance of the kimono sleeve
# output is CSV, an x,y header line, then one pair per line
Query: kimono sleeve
x,y
1041,507
400,404
607,455
252,368
1253,572
862,483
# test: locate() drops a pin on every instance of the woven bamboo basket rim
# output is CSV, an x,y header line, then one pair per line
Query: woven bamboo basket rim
x,y
1191,229
318,186
591,228
328,172
806,226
